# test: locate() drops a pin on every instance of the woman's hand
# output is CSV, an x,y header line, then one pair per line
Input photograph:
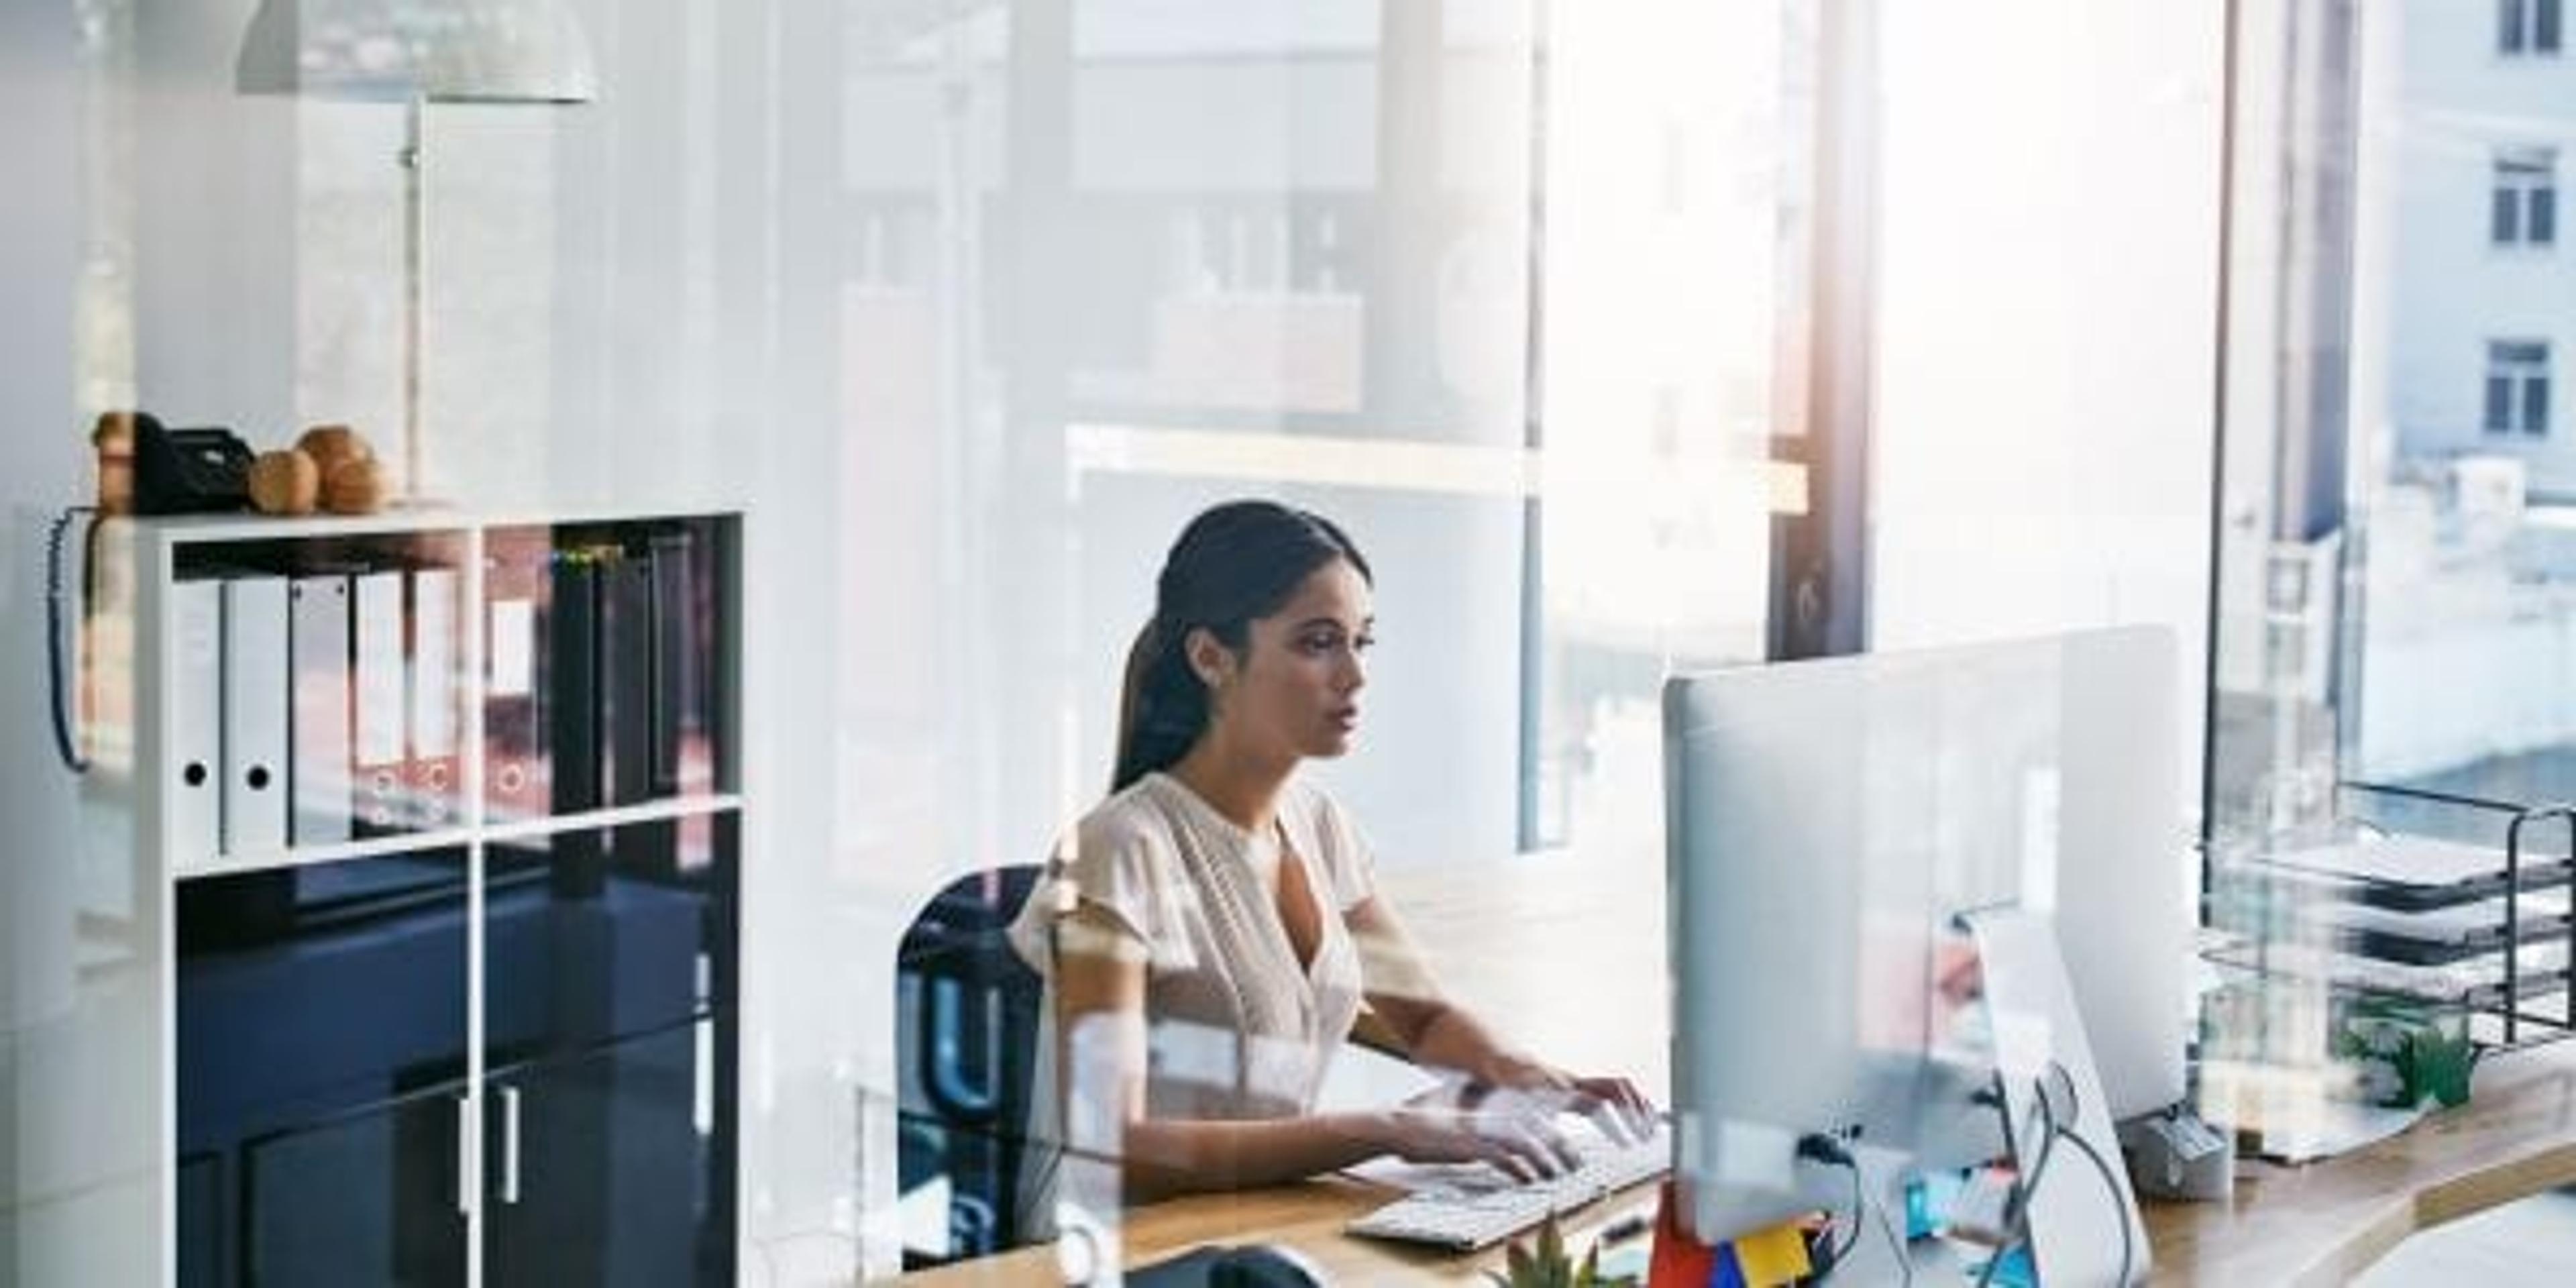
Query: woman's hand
x,y
1453,1124
1614,1104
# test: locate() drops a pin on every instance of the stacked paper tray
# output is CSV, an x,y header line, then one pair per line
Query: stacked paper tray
x,y
2414,873
2438,936
2475,982
2413,917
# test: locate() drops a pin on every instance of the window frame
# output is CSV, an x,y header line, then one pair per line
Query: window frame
x,y
2514,393
2530,28
2522,198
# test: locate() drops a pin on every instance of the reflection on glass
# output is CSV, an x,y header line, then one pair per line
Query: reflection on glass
x,y
2397,581
321,1059
605,1177
602,648
610,1027
364,1197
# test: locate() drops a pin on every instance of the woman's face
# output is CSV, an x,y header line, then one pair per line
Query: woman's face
x,y
1295,689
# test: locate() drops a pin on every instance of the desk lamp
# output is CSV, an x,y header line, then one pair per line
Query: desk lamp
x,y
416,52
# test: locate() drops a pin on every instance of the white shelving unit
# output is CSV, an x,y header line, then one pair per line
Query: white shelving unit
x,y
598,949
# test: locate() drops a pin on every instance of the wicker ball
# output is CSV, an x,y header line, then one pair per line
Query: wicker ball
x,y
329,445
285,482
356,485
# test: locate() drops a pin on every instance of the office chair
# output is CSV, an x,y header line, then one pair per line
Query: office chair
x,y
966,1035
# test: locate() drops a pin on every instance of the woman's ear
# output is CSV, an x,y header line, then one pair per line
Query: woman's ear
x,y
1210,659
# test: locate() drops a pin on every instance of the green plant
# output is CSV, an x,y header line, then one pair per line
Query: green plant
x,y
1547,1266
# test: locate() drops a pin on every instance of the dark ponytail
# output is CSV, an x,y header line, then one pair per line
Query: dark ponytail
x,y
1233,563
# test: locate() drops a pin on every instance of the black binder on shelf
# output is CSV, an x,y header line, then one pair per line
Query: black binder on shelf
x,y
680,656
626,636
572,724
572,682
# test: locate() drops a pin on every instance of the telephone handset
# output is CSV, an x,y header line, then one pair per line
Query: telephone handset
x,y
188,471
173,471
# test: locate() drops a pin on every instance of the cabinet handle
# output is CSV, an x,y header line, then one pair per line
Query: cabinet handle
x,y
464,1156
509,1144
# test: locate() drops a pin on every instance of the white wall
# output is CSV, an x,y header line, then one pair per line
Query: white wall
x,y
51,1204
2049,225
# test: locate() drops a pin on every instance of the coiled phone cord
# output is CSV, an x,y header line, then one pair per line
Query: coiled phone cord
x,y
56,637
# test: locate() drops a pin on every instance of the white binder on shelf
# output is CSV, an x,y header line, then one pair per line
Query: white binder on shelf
x,y
380,684
434,767
196,711
254,714
318,650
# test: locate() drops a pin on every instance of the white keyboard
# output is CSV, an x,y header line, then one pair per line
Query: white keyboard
x,y
1484,1206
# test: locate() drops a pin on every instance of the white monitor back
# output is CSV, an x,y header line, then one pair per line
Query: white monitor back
x,y
1826,820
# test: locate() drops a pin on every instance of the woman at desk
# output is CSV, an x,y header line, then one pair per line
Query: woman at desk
x,y
1212,928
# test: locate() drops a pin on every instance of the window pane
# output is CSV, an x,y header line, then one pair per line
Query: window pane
x,y
2545,39
2535,405
2544,216
2499,409
2501,216
2509,30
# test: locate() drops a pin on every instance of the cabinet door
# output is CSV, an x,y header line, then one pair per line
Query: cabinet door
x,y
321,1049
597,934
608,1167
367,1198
609,1038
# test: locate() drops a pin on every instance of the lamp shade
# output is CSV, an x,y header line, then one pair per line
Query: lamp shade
x,y
446,51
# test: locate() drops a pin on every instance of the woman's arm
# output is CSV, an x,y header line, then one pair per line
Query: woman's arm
x,y
1101,1051
1440,1033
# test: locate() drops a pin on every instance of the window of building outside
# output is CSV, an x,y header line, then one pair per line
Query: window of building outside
x,y
2524,211
2517,387
2527,26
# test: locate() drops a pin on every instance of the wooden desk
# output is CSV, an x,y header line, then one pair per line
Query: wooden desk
x,y
1542,945
1308,1217
2324,1222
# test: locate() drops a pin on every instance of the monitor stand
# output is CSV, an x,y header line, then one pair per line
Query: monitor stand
x,y
2084,1221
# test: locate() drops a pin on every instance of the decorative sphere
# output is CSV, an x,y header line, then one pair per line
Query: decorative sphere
x,y
355,485
329,445
285,482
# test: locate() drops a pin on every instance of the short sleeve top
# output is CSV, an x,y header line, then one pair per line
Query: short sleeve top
x,y
1237,1027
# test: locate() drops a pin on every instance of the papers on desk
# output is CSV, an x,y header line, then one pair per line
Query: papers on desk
x,y
1429,1178
2295,1116
1470,1178
2412,872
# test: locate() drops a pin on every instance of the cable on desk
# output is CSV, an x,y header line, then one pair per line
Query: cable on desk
x,y
1821,1148
2119,1211
2024,1187
1904,1259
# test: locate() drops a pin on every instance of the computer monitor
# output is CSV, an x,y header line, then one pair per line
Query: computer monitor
x,y
1826,822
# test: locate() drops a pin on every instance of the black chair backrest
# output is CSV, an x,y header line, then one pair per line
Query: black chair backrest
x,y
966,1035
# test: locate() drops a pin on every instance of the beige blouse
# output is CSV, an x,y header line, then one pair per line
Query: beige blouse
x,y
1236,1028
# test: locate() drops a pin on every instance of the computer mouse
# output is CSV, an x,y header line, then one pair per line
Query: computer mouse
x,y
1262,1265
